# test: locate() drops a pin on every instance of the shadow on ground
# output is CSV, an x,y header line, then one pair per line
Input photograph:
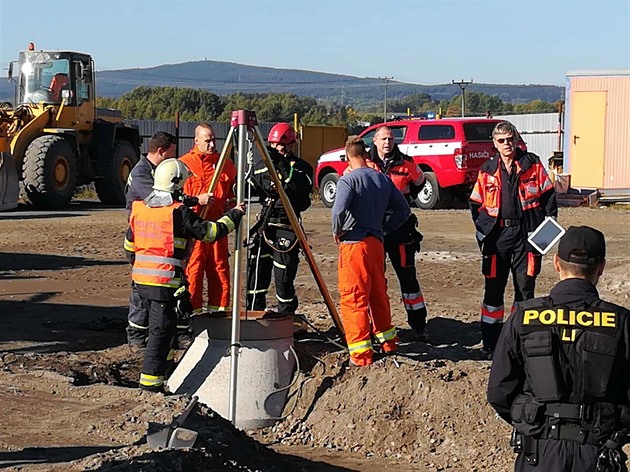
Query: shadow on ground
x,y
12,262
450,339
42,327
48,455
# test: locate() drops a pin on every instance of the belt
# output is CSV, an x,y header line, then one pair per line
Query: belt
x,y
508,222
570,432
569,411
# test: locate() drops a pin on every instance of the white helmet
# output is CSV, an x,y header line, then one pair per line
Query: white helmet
x,y
170,175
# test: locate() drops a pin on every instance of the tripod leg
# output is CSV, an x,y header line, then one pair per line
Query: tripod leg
x,y
219,167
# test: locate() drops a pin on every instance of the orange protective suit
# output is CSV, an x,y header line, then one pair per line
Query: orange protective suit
x,y
365,307
209,259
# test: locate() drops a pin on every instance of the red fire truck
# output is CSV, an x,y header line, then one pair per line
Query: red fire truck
x,y
449,151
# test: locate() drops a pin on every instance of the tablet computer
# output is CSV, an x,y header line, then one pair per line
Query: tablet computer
x,y
546,235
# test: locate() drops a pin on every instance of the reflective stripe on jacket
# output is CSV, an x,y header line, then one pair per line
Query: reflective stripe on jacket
x,y
536,194
159,255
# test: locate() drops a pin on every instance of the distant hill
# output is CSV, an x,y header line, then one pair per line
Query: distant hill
x,y
224,78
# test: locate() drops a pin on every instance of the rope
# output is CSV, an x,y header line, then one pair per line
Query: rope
x,y
293,381
270,243
297,370
248,173
327,339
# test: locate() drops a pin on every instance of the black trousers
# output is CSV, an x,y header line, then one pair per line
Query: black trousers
x,y
162,329
138,321
505,251
401,247
560,456
283,260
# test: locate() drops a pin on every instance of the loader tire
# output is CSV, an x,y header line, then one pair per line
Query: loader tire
x,y
50,171
110,188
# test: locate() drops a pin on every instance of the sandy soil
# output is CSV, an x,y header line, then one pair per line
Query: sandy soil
x,y
68,381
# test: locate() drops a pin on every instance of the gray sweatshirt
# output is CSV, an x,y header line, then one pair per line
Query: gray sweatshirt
x,y
363,197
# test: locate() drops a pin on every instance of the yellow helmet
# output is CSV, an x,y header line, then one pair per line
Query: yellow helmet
x,y
170,175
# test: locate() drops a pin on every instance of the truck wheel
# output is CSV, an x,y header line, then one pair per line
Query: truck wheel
x,y
429,196
110,188
50,171
328,189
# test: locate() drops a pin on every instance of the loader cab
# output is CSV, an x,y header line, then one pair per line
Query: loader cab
x,y
53,77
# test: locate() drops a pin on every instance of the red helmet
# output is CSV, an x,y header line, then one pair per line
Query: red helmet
x,y
282,133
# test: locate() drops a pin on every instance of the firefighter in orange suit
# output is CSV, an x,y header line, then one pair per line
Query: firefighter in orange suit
x,y
402,244
512,196
209,259
156,243
364,196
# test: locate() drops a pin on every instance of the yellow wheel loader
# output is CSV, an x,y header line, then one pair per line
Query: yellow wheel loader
x,y
57,138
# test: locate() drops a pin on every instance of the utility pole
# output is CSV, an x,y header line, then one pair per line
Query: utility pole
x,y
462,85
385,79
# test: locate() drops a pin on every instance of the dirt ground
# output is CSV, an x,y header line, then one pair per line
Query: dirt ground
x,y
68,382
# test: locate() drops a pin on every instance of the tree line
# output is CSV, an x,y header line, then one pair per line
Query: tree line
x,y
476,104
161,103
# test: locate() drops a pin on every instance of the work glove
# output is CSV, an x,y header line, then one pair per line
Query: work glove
x,y
610,460
416,236
183,306
283,168
611,457
417,240
479,237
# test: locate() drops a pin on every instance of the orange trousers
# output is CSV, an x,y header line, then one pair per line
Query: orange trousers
x,y
209,260
365,310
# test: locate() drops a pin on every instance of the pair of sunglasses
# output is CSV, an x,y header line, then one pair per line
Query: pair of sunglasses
x,y
511,139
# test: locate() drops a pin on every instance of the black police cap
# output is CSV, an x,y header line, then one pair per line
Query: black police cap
x,y
582,245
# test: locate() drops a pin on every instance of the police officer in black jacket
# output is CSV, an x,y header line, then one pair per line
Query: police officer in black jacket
x,y
274,243
560,375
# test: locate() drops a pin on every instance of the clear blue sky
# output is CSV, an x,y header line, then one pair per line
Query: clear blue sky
x,y
419,41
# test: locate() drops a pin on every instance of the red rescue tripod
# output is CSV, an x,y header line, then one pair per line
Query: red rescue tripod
x,y
244,122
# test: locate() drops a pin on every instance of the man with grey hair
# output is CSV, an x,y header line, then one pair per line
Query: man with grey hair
x,y
560,373
512,196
